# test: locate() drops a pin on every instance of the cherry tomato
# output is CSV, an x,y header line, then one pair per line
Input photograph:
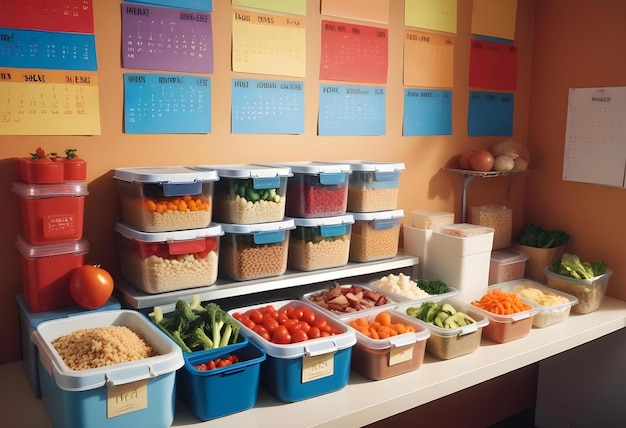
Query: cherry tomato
x,y
314,333
245,320
298,336
262,331
307,315
282,317
270,323
256,316
91,286
281,335
296,313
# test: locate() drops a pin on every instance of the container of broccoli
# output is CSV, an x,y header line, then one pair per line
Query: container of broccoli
x,y
543,246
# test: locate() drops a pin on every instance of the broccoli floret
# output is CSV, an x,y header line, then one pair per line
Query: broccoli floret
x,y
200,340
230,333
571,266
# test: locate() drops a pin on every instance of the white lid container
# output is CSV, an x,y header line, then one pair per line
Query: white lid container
x,y
506,265
375,236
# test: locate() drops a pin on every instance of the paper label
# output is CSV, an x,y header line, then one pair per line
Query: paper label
x,y
400,354
318,367
127,398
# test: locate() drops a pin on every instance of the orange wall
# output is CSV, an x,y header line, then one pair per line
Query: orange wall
x,y
578,43
423,185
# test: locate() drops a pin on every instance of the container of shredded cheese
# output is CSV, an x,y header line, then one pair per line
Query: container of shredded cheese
x,y
553,306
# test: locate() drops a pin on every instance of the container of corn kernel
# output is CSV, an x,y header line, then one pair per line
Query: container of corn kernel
x,y
497,217
157,262
375,236
164,199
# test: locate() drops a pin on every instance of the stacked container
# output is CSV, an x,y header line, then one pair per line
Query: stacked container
x,y
372,200
317,197
166,239
50,243
250,205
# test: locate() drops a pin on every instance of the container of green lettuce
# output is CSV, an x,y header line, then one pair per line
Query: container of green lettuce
x,y
587,281
543,247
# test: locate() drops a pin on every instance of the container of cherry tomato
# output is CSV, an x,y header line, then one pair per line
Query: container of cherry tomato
x,y
317,189
308,352
163,199
389,343
221,381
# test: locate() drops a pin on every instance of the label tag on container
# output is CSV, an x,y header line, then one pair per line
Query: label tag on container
x,y
127,398
318,366
400,354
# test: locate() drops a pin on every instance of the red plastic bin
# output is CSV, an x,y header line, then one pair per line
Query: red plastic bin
x,y
46,272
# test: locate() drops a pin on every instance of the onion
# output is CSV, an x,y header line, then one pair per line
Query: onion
x,y
503,163
510,148
520,164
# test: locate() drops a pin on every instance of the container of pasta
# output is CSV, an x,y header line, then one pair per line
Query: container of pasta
x,y
250,251
506,265
163,199
497,217
589,292
430,219
247,194
156,262
373,186
320,243
375,236
127,382
553,306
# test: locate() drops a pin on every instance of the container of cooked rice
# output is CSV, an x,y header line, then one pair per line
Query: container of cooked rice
x,y
126,378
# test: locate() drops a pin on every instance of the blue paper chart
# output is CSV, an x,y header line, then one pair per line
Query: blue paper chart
x,y
490,114
427,112
352,110
167,104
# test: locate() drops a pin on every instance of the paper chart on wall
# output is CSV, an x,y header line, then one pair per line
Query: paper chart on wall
x,y
362,10
428,59
439,15
72,16
296,7
595,137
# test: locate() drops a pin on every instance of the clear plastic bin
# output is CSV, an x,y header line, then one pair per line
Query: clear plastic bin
x,y
375,236
506,265
589,292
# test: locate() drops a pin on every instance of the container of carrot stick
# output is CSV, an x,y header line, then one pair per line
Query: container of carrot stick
x,y
510,318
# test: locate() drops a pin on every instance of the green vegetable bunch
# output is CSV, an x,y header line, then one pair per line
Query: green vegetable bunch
x,y
195,327
432,287
247,191
532,235
571,266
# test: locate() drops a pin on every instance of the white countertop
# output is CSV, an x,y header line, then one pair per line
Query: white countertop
x,y
364,401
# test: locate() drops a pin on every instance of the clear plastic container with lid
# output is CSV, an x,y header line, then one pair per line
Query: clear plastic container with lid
x,y
317,189
506,265
250,251
319,243
163,199
247,194
375,236
373,186
157,262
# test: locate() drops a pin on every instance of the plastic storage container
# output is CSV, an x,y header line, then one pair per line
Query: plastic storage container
x,y
538,259
357,298
460,255
375,236
254,250
211,394
28,323
384,358
589,292
401,288
46,272
50,170
317,189
430,219
320,243
91,398
373,186
416,243
51,213
448,343
157,262
552,306
497,217
162,199
247,194
506,265
302,370
505,328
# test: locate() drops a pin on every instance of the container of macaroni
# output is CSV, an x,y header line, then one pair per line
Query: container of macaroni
x,y
247,194
319,243
375,236
373,186
552,306
430,219
589,292
163,199
250,251
497,217
157,262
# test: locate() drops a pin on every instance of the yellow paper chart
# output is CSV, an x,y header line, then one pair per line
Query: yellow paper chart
x,y
428,60
362,10
269,44
49,102
494,18
296,7
438,15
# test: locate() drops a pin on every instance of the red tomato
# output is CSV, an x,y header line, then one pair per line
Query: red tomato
x,y
281,335
245,320
256,316
464,160
262,331
314,333
91,286
482,161
298,336
296,313
270,323
307,315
